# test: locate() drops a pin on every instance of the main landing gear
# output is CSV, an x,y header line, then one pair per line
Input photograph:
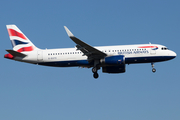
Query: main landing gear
x,y
95,69
95,74
153,70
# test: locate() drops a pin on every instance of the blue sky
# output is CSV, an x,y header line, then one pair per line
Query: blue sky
x,y
36,92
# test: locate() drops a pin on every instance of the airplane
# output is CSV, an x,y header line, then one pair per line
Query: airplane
x,y
112,59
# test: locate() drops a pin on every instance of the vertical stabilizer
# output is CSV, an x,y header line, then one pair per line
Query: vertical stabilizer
x,y
19,41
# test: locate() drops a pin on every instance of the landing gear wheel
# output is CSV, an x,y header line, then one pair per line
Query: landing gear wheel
x,y
153,70
95,75
94,69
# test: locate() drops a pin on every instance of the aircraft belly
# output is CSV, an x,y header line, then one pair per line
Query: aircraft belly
x,y
66,63
147,59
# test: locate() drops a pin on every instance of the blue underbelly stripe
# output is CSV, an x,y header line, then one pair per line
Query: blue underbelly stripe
x,y
127,61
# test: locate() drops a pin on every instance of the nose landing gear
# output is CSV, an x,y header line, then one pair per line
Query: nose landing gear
x,y
153,70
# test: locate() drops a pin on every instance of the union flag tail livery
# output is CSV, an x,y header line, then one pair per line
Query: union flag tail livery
x,y
20,43
112,59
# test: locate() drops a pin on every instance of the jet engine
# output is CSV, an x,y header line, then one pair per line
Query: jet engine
x,y
113,60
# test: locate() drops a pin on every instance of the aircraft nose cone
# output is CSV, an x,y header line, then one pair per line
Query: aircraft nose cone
x,y
173,54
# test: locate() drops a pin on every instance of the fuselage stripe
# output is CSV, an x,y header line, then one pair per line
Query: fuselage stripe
x,y
148,47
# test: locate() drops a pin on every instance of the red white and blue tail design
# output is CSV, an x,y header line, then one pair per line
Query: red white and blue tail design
x,y
19,41
21,44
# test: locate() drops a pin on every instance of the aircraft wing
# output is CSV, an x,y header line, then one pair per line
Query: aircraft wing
x,y
91,52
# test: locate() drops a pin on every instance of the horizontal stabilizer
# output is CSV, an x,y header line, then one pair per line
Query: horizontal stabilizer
x,y
16,54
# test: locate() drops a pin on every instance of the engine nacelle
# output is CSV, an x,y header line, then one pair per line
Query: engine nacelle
x,y
114,69
113,60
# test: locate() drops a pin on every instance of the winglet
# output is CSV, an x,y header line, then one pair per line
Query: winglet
x,y
68,32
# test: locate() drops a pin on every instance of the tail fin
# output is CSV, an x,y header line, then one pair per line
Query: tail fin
x,y
19,41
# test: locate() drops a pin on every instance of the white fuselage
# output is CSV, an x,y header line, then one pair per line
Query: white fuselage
x,y
141,53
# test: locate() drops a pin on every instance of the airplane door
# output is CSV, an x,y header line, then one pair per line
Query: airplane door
x,y
40,55
152,51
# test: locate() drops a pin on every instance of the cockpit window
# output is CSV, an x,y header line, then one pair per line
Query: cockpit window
x,y
164,48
